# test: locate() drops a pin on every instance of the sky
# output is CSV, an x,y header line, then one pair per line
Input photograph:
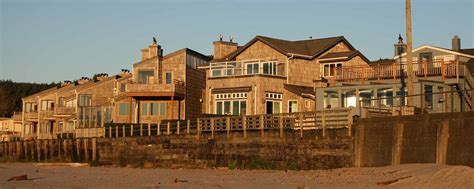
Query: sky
x,y
56,40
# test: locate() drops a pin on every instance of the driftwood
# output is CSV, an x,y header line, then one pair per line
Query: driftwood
x,y
18,178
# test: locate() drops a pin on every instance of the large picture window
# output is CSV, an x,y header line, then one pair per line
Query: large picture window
x,y
144,76
252,68
124,109
269,68
231,104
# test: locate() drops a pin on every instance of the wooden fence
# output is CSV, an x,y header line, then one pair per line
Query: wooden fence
x,y
299,122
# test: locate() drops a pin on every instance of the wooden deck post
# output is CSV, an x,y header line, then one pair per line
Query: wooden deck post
x,y
131,130
123,131
110,131
443,69
168,128
425,69
227,125
261,123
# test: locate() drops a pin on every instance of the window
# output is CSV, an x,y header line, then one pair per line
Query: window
x,y
269,68
85,100
252,68
144,76
124,109
154,109
62,102
169,77
231,103
162,109
216,73
329,70
273,107
219,108
47,105
123,87
145,109
31,107
292,106
429,96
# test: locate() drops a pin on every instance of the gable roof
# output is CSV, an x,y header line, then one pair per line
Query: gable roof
x,y
463,52
307,49
342,56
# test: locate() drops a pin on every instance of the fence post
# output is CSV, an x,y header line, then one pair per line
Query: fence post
x,y
168,129
188,126
123,131
280,124
227,126
94,149
198,125
349,121
261,122
131,130
149,129
141,129
301,123
177,127
212,128
244,125
323,120
158,128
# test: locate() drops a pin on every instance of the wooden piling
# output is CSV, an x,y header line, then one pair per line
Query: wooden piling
x,y
227,126
188,125
149,129
168,129
85,142
94,149
244,125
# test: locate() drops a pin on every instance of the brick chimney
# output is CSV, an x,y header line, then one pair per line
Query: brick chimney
x,y
223,48
153,50
456,43
399,46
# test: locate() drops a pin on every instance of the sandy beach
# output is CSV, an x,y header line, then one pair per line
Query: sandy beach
x,y
84,176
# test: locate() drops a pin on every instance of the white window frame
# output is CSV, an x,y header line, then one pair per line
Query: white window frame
x,y
289,106
323,72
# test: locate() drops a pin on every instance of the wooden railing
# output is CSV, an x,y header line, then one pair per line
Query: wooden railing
x,y
444,69
17,116
326,119
340,118
65,110
31,115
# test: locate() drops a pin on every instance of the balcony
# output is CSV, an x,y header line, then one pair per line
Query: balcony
x,y
65,110
31,115
177,88
17,116
439,68
47,114
247,68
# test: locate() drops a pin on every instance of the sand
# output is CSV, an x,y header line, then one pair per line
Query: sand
x,y
84,176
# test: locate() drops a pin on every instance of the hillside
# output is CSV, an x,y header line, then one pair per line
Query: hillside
x,y
12,92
